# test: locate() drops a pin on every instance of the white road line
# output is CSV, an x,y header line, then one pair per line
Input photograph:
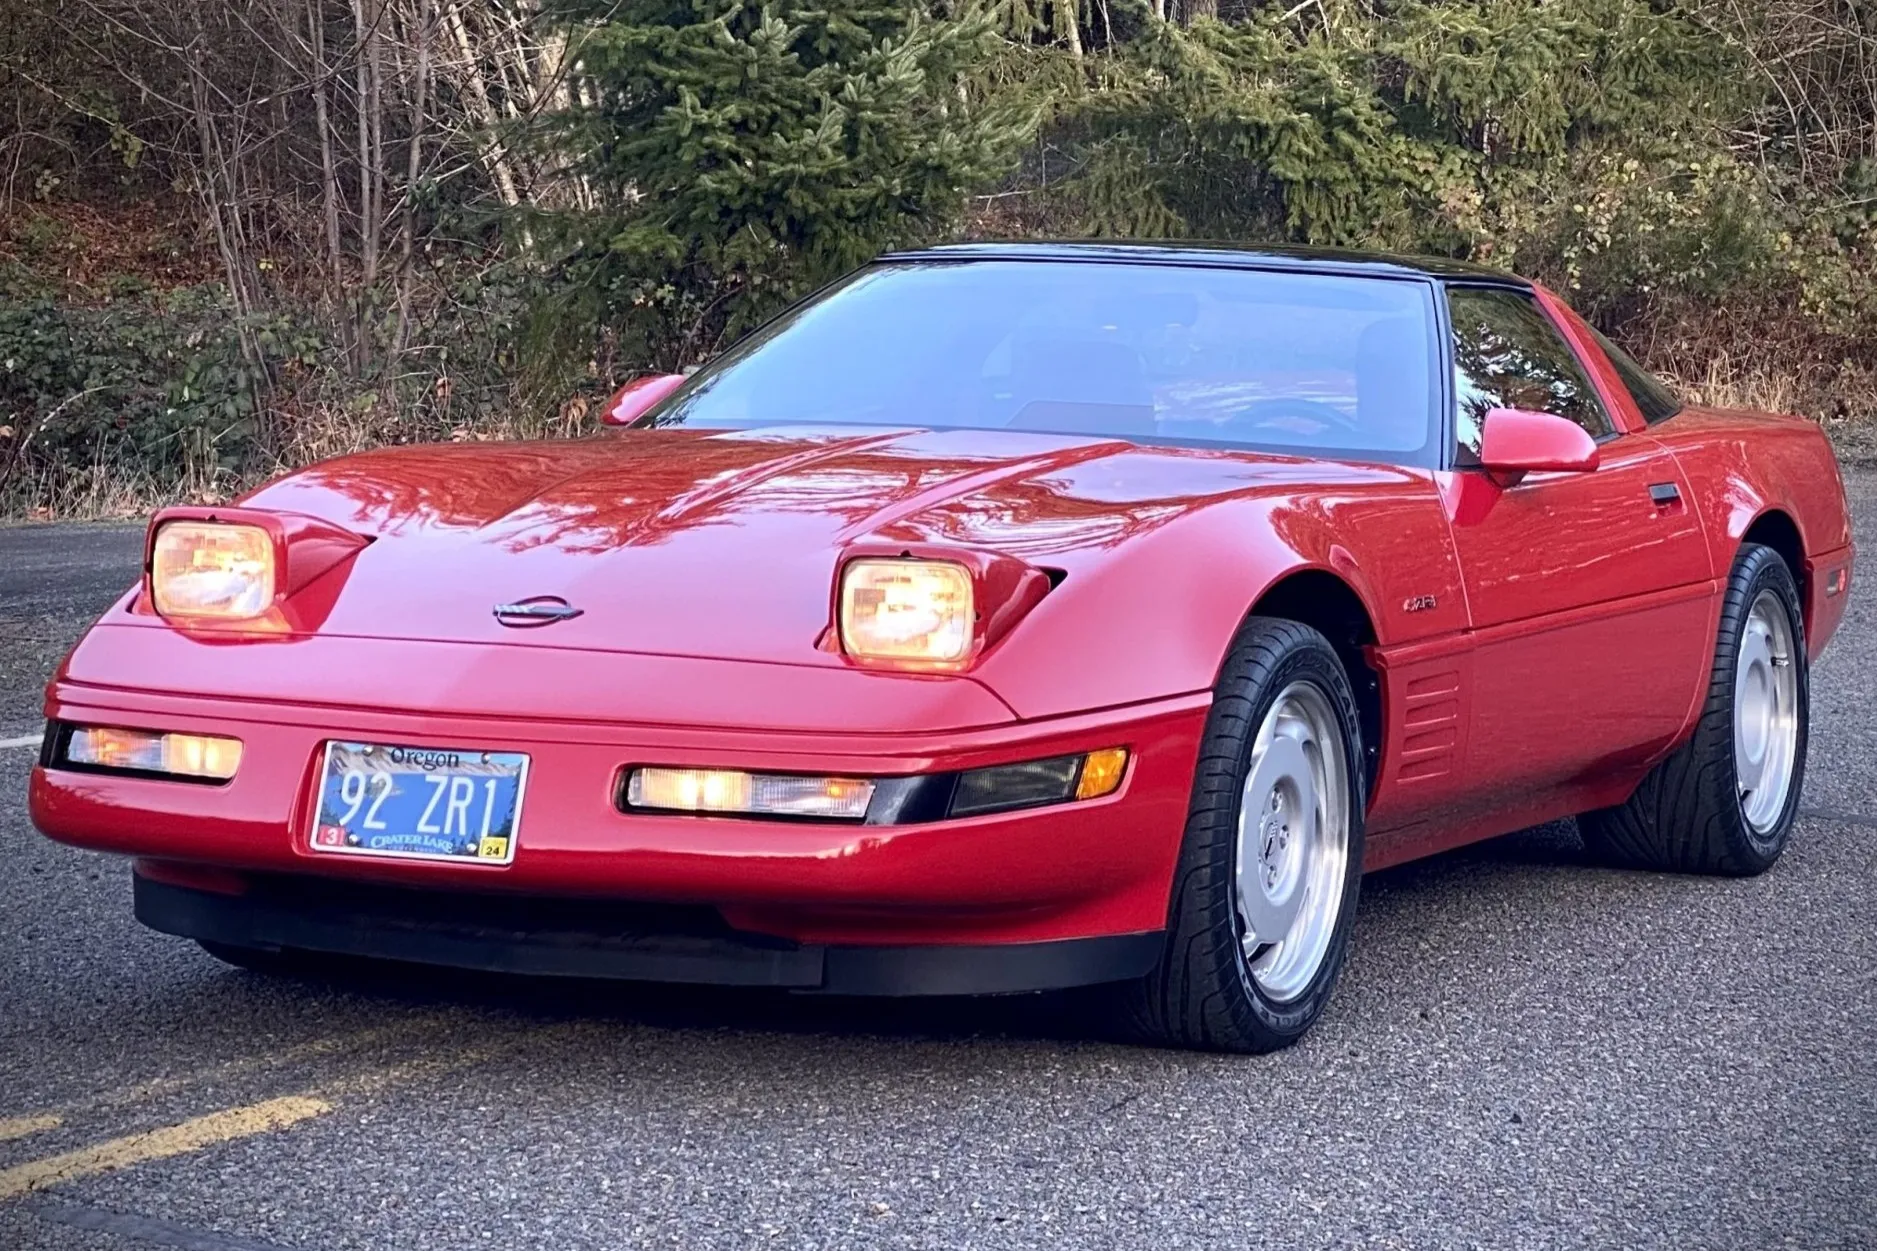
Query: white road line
x,y
25,740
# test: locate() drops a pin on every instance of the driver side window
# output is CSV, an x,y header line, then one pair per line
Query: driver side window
x,y
1507,354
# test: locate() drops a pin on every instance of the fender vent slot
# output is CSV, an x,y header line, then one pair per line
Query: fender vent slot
x,y
1430,719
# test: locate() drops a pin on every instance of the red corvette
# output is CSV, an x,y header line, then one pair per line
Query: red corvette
x,y
1003,618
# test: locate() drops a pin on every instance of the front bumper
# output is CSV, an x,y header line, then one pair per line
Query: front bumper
x,y
1100,868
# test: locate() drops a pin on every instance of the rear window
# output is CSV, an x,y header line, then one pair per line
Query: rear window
x,y
1651,394
1310,364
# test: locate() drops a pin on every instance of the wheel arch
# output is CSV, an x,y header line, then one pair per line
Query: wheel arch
x,y
1328,604
1775,528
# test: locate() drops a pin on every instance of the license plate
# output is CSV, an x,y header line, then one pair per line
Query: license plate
x,y
419,803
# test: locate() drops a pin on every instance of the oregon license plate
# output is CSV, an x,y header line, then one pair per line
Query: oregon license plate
x,y
419,803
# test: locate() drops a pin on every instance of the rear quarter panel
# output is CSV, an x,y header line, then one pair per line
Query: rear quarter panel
x,y
1742,466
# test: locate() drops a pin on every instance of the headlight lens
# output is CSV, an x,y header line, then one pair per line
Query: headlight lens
x,y
210,570
732,792
918,610
145,751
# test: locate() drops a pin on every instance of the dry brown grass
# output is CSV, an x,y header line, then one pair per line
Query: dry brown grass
x,y
305,435
1769,361
308,436
1727,382
103,491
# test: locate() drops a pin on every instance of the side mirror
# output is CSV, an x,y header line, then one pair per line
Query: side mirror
x,y
1516,442
638,397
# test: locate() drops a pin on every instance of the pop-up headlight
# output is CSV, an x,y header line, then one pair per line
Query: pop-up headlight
x,y
913,610
212,571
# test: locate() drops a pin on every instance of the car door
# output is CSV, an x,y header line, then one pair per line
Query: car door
x,y
1589,594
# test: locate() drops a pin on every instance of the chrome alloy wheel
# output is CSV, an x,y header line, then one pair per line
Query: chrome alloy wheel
x,y
1293,842
1766,712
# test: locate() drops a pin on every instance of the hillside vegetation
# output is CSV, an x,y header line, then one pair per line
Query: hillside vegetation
x,y
239,235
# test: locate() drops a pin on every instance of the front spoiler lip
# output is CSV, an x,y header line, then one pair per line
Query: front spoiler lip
x,y
721,960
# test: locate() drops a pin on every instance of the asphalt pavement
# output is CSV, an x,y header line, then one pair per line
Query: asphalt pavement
x,y
1526,1051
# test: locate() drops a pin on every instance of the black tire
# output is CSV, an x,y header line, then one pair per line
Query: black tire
x,y
1202,994
1687,815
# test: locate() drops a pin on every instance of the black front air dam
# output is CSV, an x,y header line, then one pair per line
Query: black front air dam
x,y
606,939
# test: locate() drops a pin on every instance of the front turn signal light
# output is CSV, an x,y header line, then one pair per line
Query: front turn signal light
x,y
731,792
912,610
144,751
211,570
1102,772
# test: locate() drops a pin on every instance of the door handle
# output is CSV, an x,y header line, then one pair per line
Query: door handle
x,y
1664,494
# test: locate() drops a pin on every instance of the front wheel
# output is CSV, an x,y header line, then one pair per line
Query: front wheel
x,y
1725,801
1265,889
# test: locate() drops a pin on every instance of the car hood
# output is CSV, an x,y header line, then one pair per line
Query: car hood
x,y
725,543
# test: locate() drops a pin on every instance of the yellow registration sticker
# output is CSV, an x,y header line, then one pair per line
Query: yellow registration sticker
x,y
493,848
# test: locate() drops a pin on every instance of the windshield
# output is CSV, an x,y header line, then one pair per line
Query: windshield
x,y
1311,364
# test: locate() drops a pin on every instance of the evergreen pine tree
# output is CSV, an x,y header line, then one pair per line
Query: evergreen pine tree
x,y
746,151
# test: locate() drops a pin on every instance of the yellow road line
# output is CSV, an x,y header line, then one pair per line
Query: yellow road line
x,y
422,1028
158,1144
20,1126
259,1118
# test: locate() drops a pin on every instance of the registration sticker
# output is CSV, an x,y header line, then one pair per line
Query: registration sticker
x,y
419,803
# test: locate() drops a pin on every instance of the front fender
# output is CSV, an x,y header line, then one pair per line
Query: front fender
x,y
1153,615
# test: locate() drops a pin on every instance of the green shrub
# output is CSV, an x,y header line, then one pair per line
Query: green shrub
x,y
154,382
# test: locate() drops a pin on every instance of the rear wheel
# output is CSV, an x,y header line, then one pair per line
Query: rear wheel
x,y
1724,803
1265,890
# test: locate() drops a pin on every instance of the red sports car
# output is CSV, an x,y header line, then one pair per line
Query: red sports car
x,y
1003,618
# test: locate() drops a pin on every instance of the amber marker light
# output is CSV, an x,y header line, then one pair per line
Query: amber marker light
x,y
1102,772
212,571
728,792
911,610
145,751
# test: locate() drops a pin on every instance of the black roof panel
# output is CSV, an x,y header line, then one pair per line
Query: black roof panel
x,y
1235,255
